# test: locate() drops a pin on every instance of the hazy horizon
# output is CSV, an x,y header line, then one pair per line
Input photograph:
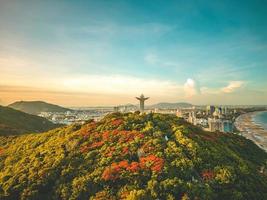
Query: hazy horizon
x,y
136,103
99,53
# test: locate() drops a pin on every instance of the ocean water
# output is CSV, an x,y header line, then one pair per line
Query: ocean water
x,y
261,119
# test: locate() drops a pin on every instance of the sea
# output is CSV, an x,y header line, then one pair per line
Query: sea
x,y
261,119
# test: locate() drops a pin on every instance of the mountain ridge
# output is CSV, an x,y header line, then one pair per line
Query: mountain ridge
x,y
168,105
14,122
36,107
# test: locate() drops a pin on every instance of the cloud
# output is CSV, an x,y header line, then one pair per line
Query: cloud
x,y
232,86
191,88
118,84
91,90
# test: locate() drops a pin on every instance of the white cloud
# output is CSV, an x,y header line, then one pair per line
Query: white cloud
x,y
191,88
120,85
232,86
102,84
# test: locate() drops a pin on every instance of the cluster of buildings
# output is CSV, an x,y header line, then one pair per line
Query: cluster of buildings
x,y
218,111
125,108
75,116
221,125
210,118
213,119
203,122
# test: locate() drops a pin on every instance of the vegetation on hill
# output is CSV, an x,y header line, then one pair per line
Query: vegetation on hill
x,y
14,122
132,156
36,107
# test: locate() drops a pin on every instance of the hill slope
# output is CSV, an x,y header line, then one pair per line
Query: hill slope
x,y
130,156
14,122
36,107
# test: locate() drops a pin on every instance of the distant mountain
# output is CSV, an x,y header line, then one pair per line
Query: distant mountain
x,y
129,106
171,105
36,107
14,122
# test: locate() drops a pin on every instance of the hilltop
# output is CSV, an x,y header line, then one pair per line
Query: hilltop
x,y
132,156
14,122
36,107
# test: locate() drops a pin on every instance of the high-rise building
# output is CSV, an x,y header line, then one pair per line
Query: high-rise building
x,y
225,111
219,110
179,113
116,109
192,118
210,110
142,99
214,124
225,126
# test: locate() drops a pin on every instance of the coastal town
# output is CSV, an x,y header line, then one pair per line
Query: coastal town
x,y
211,118
226,119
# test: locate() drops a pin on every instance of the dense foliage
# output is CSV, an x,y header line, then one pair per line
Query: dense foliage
x,y
13,122
36,107
132,156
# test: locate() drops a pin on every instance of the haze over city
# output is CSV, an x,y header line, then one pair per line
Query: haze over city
x,y
91,53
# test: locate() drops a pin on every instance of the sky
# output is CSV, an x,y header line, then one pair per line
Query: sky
x,y
91,53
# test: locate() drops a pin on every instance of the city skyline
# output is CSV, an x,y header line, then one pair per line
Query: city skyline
x,y
104,53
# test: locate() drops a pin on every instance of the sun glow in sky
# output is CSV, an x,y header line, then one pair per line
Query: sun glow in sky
x,y
85,53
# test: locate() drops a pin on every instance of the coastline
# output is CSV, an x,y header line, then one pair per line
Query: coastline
x,y
251,130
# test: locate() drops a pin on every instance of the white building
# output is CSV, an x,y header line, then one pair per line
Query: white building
x,y
225,126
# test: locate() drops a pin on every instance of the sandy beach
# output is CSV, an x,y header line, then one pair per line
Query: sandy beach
x,y
249,129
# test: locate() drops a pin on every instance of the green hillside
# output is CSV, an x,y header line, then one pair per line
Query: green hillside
x,y
13,122
36,107
131,156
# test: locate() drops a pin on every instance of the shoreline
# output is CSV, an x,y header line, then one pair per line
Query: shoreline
x,y
251,130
